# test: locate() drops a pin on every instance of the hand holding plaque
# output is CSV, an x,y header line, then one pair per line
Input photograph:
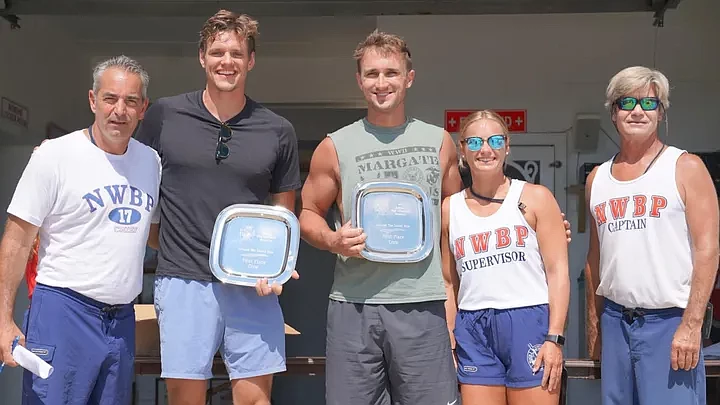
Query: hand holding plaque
x,y
349,241
397,218
263,288
255,246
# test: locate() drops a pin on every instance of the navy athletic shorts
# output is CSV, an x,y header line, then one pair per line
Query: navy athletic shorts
x,y
499,346
90,345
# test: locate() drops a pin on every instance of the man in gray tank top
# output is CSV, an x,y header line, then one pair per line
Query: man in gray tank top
x,y
388,337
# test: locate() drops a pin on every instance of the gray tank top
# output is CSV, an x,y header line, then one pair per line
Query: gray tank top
x,y
410,152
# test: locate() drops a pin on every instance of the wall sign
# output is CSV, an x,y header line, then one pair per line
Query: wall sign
x,y
516,120
15,112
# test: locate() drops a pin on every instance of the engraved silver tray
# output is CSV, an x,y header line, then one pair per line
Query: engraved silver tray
x,y
251,242
397,218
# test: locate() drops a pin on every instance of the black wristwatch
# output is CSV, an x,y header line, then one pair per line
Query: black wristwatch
x,y
557,339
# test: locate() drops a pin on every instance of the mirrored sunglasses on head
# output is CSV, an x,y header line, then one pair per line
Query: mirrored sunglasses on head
x,y
646,103
222,151
475,143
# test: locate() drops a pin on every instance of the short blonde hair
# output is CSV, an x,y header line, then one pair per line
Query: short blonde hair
x,y
385,44
477,116
635,78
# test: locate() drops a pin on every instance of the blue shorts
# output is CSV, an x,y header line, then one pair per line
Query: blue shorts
x,y
499,346
90,345
636,360
197,318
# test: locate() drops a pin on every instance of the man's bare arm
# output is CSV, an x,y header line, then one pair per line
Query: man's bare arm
x,y
319,193
594,302
15,249
701,212
451,180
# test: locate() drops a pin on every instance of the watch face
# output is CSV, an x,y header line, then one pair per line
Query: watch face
x,y
559,339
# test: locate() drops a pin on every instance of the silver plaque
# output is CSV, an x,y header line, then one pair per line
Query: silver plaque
x,y
252,242
397,219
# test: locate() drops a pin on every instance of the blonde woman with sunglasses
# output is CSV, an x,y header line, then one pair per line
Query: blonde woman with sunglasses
x,y
505,250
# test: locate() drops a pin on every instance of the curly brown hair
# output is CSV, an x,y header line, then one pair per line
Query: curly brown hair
x,y
224,21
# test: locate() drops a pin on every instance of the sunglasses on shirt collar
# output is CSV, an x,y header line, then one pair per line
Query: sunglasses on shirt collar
x,y
475,143
222,150
646,103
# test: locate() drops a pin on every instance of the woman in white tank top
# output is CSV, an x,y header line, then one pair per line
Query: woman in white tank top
x,y
505,251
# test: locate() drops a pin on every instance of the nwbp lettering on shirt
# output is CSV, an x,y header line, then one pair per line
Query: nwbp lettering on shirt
x,y
617,208
480,242
127,197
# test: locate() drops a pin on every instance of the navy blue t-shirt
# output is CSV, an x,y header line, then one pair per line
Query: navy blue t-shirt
x,y
263,160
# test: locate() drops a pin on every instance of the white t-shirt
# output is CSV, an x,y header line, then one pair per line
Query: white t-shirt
x,y
497,257
645,249
94,211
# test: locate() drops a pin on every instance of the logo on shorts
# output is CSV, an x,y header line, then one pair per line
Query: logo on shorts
x,y
532,353
470,369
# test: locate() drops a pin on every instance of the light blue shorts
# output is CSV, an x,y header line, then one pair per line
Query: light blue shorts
x,y
199,318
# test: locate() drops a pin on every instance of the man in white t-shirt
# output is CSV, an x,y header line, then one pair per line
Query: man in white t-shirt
x,y
91,195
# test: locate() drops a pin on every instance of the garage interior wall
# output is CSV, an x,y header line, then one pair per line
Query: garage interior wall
x,y
554,66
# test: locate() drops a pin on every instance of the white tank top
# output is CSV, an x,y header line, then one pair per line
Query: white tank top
x,y
645,254
497,257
